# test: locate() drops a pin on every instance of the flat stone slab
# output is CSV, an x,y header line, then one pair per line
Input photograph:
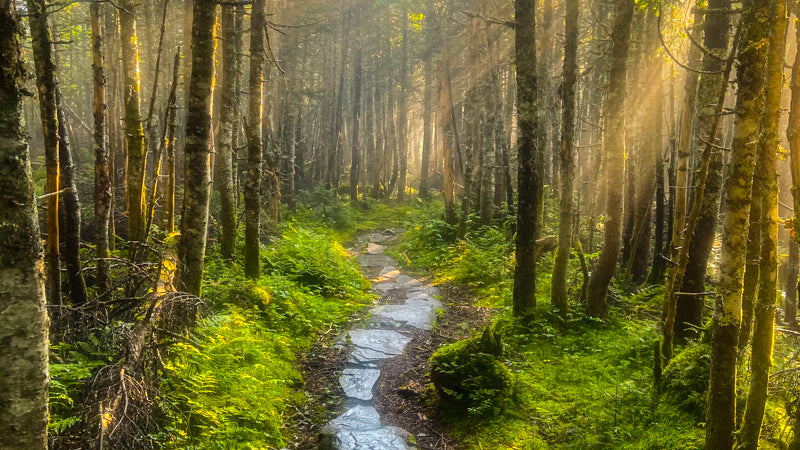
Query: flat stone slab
x,y
375,261
357,382
375,249
431,291
360,429
419,313
372,346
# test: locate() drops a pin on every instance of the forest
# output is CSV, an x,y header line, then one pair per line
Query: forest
x,y
399,224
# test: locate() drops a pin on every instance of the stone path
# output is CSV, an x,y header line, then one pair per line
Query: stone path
x,y
383,337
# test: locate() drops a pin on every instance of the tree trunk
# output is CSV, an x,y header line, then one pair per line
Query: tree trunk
x,y
197,181
402,113
102,173
23,323
721,415
764,310
355,161
793,136
252,186
71,242
558,290
613,148
136,160
524,294
427,100
790,302
231,61
689,314
44,61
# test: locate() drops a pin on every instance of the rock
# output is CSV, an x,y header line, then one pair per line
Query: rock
x,y
375,261
375,249
357,382
426,290
370,347
419,313
360,429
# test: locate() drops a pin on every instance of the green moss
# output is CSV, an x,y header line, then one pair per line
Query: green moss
x,y
469,375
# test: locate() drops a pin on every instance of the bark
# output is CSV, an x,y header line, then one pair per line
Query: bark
x,y
689,312
613,148
793,136
167,144
558,292
720,418
790,302
23,323
752,263
402,113
136,160
231,61
355,161
103,196
254,142
446,131
44,62
197,180
766,302
524,294
337,144
71,241
427,100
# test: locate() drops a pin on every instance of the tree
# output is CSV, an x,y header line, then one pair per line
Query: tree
x,y
613,148
524,295
134,131
197,179
23,323
102,172
558,288
402,113
721,413
254,142
231,61
764,308
44,61
427,100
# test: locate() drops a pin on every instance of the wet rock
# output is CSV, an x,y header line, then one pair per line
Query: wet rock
x,y
360,429
419,313
370,347
424,290
357,382
375,261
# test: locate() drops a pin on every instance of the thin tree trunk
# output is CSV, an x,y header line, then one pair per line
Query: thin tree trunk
x,y
252,186
355,161
793,136
44,62
197,181
231,61
402,113
137,157
790,302
558,290
71,242
23,323
103,196
596,303
427,100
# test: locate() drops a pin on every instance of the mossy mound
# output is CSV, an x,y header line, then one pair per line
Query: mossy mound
x,y
469,375
685,379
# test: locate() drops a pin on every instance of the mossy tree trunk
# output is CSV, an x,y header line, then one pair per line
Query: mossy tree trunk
x,y
614,151
721,412
134,132
558,289
524,293
793,136
23,323
766,302
197,180
254,142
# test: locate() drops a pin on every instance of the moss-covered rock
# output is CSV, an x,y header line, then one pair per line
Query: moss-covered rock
x,y
470,376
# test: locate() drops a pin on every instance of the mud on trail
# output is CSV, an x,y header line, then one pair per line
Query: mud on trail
x,y
366,386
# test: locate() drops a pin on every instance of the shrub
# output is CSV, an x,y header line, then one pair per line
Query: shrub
x,y
685,379
469,375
